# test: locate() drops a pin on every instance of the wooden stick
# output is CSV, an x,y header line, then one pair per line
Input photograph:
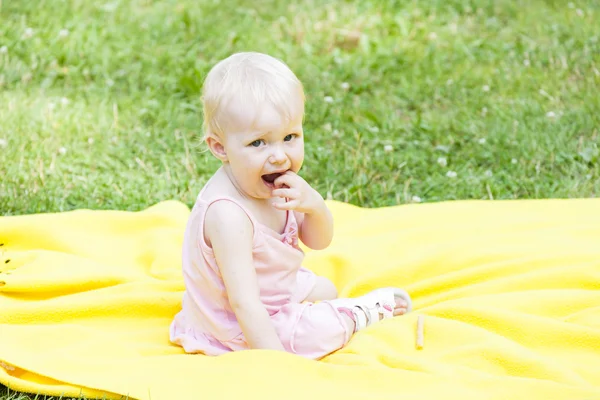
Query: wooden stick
x,y
420,330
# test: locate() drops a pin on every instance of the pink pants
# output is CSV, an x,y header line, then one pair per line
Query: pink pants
x,y
311,330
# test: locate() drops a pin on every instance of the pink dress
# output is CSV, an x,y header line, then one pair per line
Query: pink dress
x,y
206,323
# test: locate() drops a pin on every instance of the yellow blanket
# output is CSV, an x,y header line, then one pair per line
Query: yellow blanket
x,y
509,290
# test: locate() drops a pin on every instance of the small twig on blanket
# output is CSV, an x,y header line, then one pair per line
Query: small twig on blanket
x,y
420,329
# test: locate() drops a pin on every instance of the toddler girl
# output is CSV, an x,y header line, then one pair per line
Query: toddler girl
x,y
242,265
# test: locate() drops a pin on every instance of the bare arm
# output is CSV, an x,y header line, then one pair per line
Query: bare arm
x,y
230,233
316,228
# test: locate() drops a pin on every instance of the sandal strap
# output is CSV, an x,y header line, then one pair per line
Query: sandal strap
x,y
366,314
361,318
373,306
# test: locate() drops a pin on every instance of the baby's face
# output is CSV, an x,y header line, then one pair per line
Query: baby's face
x,y
258,153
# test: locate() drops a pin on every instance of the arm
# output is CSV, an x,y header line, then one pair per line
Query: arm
x,y
228,224
316,228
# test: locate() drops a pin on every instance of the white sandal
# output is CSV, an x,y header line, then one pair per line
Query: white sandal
x,y
374,306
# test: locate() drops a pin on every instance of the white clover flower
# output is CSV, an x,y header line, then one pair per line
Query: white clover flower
x,y
62,150
489,173
551,114
345,85
336,133
482,140
51,106
485,88
432,36
451,174
110,82
90,140
579,12
442,161
416,199
328,99
484,111
327,127
63,33
526,62
514,161
3,50
3,143
27,33
388,148
64,101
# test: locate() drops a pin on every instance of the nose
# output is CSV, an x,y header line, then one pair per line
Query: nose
x,y
277,156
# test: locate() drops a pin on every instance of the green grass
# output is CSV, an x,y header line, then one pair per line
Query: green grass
x,y
7,394
132,72
505,91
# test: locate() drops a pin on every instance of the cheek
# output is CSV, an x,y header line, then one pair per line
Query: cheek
x,y
251,163
298,158
249,157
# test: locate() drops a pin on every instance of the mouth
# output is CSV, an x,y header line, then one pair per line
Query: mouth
x,y
269,179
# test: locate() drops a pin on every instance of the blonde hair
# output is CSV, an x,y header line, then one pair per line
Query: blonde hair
x,y
253,78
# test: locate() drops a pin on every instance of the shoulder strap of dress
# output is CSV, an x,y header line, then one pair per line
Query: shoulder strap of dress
x,y
207,204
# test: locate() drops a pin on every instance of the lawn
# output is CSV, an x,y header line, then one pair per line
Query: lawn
x,y
407,101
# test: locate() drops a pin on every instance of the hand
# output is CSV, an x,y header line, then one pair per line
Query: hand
x,y
301,196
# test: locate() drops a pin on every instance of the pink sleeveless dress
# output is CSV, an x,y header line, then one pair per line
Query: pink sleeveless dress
x,y
206,323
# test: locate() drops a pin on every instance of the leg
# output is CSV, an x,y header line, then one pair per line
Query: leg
x,y
348,320
312,330
374,306
324,289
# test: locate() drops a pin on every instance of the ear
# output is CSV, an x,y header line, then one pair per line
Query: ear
x,y
216,147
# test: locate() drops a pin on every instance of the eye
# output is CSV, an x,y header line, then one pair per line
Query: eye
x,y
289,137
256,143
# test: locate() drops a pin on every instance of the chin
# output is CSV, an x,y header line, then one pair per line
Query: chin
x,y
260,195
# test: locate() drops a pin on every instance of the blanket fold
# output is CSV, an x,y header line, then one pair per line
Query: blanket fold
x,y
510,291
